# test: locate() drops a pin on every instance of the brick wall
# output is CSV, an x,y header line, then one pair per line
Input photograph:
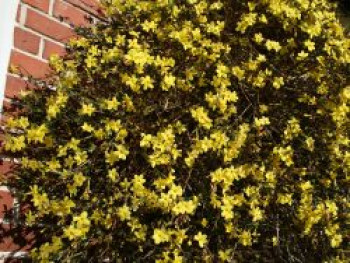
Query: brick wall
x,y
42,28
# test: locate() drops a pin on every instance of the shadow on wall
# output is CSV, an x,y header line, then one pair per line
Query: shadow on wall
x,y
344,12
345,4
16,239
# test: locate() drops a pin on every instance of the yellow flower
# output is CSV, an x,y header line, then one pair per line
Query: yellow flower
x,y
184,207
53,165
175,191
52,111
216,6
302,55
160,236
331,207
82,220
91,61
100,134
258,38
245,238
222,70
124,213
284,199
201,239
278,82
226,212
15,144
309,44
275,241
201,115
80,157
204,222
215,27
233,147
132,82
87,127
147,82
79,179
40,200
246,21
310,144
260,122
113,125
273,45
168,82
79,227
238,72
149,26
263,19
113,174
196,33
285,154
56,62
37,134
270,177
263,108
119,154
256,213
225,255
87,109
111,104
180,235
336,240
305,186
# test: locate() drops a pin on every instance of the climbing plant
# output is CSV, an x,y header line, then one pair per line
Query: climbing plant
x,y
190,131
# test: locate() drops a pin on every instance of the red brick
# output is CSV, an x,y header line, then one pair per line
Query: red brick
x,y
5,168
25,208
90,6
26,41
14,85
90,3
28,65
51,48
43,5
6,202
69,13
8,111
48,27
14,238
6,106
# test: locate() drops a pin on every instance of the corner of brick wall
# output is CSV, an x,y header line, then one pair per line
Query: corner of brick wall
x,y
42,29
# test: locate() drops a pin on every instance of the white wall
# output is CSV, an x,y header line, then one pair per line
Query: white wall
x,y
8,11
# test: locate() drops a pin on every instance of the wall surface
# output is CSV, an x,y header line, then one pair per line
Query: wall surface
x,y
40,28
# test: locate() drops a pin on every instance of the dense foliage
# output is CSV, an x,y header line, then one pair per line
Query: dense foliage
x,y
191,131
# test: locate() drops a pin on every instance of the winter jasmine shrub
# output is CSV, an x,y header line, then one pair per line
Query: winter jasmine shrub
x,y
191,131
